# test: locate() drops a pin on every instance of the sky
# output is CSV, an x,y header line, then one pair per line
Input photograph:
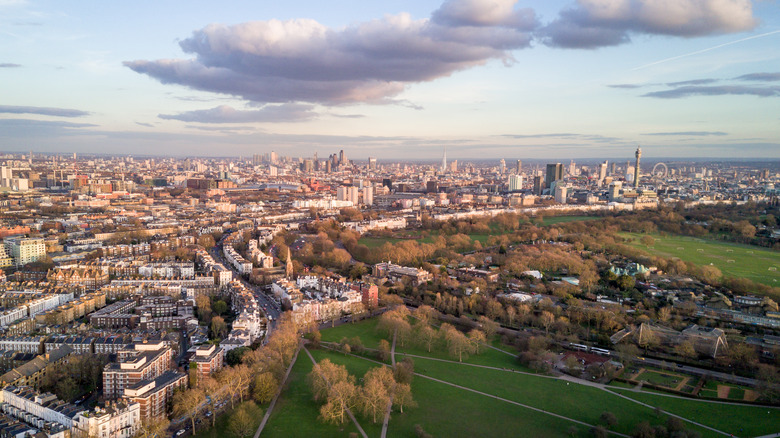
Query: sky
x,y
557,79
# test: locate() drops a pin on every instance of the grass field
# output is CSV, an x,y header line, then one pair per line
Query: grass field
x,y
738,420
552,220
661,378
221,429
580,402
732,259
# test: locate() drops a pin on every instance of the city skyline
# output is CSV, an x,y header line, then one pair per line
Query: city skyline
x,y
533,80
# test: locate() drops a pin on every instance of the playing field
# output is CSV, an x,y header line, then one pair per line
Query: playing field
x,y
734,260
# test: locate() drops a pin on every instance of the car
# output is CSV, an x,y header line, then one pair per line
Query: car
x,y
180,432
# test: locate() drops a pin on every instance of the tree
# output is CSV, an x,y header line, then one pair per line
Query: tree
x,y
153,427
477,339
609,419
241,423
404,370
685,349
647,240
402,396
457,343
220,307
489,326
546,319
213,392
264,387
626,282
599,432
203,303
187,403
374,395
67,389
426,336
325,374
384,350
644,430
340,399
218,327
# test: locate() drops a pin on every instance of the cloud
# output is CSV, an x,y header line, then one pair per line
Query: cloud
x,y
763,77
689,133
44,111
719,90
692,82
148,125
625,86
9,65
304,61
591,24
228,114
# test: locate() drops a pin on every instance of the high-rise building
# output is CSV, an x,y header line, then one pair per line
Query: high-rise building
x,y
638,155
519,168
454,166
348,193
613,172
502,166
614,190
538,187
25,250
342,158
602,172
572,168
554,173
515,183
368,195
257,159
274,157
444,161
371,163
560,193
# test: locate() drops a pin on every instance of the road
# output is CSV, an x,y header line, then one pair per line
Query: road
x,y
269,305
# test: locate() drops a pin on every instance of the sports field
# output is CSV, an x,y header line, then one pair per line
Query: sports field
x,y
734,260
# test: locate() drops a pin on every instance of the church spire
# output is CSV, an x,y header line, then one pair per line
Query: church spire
x,y
289,270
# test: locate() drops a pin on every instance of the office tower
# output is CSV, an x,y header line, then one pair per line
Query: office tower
x,y
538,185
342,158
273,171
328,166
371,163
307,165
519,168
444,162
572,168
274,157
560,193
613,172
432,186
638,155
387,182
257,159
554,173
602,172
502,166
515,183
454,166
614,190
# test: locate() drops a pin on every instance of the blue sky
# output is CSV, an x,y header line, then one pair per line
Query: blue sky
x,y
403,79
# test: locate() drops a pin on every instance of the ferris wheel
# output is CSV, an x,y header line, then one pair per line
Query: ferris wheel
x,y
660,170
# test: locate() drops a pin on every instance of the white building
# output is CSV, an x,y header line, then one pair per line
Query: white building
x,y
515,183
348,193
117,420
25,250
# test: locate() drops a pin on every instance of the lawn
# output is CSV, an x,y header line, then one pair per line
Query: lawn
x,y
660,378
732,259
552,220
738,420
296,412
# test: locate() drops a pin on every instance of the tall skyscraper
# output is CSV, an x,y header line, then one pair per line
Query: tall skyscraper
x,y
342,158
519,168
638,155
515,183
602,172
502,166
444,161
371,163
554,173
538,185
274,157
